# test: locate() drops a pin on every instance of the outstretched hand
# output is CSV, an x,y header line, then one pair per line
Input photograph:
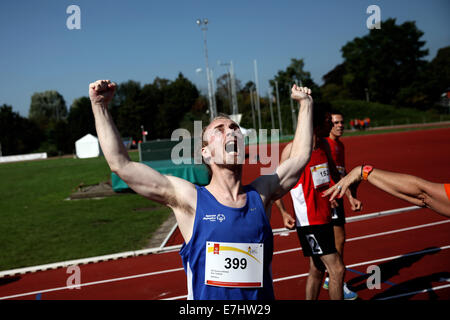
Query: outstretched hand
x,y
339,189
102,91
301,94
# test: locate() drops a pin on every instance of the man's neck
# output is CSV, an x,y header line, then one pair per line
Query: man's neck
x,y
333,137
226,181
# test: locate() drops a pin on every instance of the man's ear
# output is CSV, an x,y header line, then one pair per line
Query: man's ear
x,y
206,154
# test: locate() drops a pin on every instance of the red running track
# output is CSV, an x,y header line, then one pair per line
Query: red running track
x,y
411,249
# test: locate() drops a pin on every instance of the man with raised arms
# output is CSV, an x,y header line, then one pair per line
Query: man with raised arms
x,y
228,246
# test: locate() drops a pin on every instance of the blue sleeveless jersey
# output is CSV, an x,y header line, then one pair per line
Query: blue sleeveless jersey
x,y
216,222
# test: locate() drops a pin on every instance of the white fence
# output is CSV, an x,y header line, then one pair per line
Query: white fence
x,y
23,157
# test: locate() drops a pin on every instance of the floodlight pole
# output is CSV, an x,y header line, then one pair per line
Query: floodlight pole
x,y
231,86
213,89
212,110
278,106
233,89
258,108
144,136
251,104
269,96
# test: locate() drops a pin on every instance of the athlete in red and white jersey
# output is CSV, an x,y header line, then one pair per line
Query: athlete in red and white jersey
x,y
310,208
313,214
337,151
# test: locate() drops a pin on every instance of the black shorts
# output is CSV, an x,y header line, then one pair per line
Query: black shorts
x,y
317,240
338,214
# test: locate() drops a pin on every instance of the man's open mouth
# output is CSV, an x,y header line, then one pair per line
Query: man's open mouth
x,y
231,146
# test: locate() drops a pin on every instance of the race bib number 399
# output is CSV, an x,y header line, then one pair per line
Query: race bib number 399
x,y
237,265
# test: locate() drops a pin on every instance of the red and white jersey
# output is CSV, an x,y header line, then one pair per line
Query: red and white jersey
x,y
338,154
309,205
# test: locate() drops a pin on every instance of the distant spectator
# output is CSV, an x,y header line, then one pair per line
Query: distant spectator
x,y
366,123
352,124
361,124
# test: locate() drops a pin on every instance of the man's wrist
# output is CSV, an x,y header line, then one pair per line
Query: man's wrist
x,y
305,103
356,174
348,194
100,105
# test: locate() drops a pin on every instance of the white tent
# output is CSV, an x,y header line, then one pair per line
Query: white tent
x,y
87,147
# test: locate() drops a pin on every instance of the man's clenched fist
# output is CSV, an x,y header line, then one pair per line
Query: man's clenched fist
x,y
102,91
301,94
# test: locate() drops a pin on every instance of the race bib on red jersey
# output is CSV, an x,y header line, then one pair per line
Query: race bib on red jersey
x,y
320,175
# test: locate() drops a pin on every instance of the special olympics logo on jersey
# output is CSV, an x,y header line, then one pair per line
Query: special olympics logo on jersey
x,y
220,217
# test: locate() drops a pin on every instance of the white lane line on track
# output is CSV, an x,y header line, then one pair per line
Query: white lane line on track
x,y
400,230
375,235
361,264
432,289
371,261
181,269
91,283
416,292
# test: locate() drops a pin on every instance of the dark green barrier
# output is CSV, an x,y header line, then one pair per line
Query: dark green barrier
x,y
161,150
195,173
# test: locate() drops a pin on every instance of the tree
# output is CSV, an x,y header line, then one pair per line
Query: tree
x,y
224,93
179,97
48,110
437,74
286,78
59,139
427,88
127,110
159,106
336,75
17,135
80,120
384,61
46,107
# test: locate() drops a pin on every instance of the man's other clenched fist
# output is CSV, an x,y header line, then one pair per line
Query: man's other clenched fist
x,y
102,91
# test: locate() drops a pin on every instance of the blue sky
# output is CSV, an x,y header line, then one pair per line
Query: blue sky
x,y
141,40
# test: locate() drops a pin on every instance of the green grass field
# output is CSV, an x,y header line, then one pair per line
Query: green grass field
x,y
38,226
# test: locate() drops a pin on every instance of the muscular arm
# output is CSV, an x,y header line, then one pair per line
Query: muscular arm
x,y
288,220
176,193
273,187
413,189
